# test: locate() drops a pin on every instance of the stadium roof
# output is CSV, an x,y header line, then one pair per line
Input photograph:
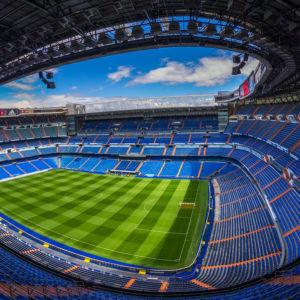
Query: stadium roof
x,y
40,34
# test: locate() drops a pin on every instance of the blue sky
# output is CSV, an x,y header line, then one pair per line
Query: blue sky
x,y
149,73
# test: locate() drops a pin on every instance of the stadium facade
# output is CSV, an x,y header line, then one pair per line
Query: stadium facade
x,y
248,153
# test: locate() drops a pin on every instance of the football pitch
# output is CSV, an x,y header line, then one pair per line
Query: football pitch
x,y
127,219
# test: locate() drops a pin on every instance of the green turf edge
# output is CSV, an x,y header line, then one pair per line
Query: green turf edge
x,y
193,238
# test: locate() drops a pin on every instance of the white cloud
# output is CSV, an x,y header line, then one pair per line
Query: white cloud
x,y
123,72
99,88
74,87
53,70
31,100
250,66
164,60
102,104
30,79
208,71
19,86
22,104
24,95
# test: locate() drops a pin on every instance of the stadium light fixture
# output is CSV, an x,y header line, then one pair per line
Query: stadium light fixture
x,y
236,59
51,85
227,31
174,27
42,55
89,42
52,52
236,70
241,35
210,29
137,31
253,37
44,80
121,35
104,39
242,64
49,75
156,29
192,27
64,49
75,45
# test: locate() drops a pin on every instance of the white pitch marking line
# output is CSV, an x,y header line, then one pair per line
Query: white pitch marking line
x,y
161,231
95,246
189,223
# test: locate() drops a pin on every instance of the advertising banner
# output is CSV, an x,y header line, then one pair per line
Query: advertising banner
x,y
251,83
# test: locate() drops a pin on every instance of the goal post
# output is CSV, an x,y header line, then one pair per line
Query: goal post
x,y
187,205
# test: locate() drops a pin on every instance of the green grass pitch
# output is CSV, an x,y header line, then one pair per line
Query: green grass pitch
x,y
128,219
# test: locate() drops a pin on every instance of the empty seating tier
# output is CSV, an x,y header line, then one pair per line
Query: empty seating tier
x,y
253,168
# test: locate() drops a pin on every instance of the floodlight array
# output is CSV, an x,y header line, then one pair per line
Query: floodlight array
x,y
121,34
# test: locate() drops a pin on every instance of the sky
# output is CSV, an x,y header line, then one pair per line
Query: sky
x,y
148,73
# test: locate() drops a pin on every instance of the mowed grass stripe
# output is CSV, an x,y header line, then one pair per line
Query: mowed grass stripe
x,y
85,201
84,223
52,219
118,219
88,231
162,249
131,223
172,209
102,214
135,241
164,225
64,199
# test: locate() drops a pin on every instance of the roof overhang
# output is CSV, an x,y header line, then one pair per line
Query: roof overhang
x,y
38,35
